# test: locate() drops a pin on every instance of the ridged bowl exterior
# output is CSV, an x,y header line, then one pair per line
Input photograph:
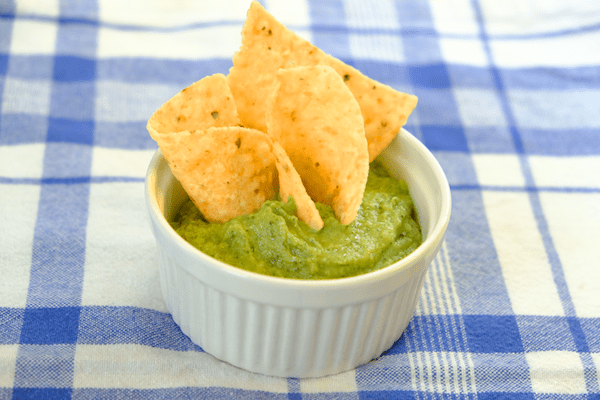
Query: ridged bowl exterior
x,y
284,327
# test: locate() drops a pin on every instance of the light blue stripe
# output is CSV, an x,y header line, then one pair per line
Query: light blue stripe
x,y
542,223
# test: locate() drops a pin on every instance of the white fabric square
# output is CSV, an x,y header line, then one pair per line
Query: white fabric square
x,y
558,372
498,170
380,15
8,361
574,224
552,109
133,366
18,215
130,102
207,43
522,255
517,17
377,47
33,37
121,163
478,107
454,17
22,161
26,97
573,50
463,52
120,263
344,382
566,172
47,8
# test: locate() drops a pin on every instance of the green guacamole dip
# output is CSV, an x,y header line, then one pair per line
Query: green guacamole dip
x,y
272,241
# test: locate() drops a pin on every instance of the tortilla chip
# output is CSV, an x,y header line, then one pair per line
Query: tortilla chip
x,y
268,45
290,184
317,121
203,104
226,171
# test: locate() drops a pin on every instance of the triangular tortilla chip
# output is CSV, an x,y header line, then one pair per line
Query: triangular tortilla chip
x,y
318,122
226,171
203,104
268,45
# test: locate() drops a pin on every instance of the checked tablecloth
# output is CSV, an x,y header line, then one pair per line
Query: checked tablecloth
x,y
509,103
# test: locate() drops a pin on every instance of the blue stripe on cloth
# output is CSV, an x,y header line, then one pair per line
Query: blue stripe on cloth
x,y
42,393
489,139
468,232
105,325
30,66
11,321
123,135
142,70
331,396
508,372
444,138
446,373
294,390
493,395
175,393
429,117
6,7
448,331
22,129
541,333
492,334
591,329
91,21
415,18
73,100
561,142
334,42
59,246
119,325
591,380
467,76
51,320
392,74
526,189
434,76
3,63
534,79
57,325
390,394
581,344
70,69
70,180
44,366
70,131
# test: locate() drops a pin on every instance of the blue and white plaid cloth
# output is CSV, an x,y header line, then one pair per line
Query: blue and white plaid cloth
x,y
509,102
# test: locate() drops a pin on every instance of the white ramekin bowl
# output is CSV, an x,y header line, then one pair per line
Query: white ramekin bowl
x,y
297,328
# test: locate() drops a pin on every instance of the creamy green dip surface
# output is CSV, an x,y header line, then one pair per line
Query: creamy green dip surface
x,y
272,241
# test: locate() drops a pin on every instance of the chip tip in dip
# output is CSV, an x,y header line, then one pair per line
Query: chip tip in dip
x,y
290,185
